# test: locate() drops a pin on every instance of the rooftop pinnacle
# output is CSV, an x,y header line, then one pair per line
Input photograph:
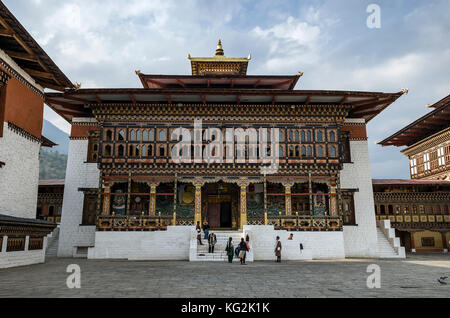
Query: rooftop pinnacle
x,y
219,50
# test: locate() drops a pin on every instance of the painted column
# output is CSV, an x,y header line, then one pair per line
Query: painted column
x,y
152,203
333,201
311,208
243,184
198,204
444,241
288,197
127,212
107,199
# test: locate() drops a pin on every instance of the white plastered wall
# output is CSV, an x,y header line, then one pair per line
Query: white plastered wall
x,y
360,240
79,174
19,176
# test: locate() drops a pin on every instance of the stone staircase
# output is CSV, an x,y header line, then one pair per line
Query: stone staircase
x,y
219,249
388,244
52,243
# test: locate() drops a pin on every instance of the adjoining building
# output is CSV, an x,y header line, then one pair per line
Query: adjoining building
x,y
427,142
25,71
419,208
127,196
50,199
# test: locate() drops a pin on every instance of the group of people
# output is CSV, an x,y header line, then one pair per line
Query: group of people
x,y
240,251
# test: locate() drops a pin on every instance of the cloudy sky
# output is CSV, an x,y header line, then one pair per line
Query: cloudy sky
x,y
101,43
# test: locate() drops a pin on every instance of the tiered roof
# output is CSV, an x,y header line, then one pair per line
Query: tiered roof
x,y
16,42
213,86
435,121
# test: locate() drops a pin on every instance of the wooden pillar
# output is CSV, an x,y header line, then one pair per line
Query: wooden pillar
x,y
127,212
175,192
265,196
198,204
311,209
339,195
152,203
333,201
243,218
444,241
106,199
413,245
287,198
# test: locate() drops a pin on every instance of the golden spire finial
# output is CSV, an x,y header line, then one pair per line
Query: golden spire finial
x,y
219,50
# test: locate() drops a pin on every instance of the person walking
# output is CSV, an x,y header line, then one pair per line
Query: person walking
x,y
278,250
230,250
199,233
206,229
242,251
212,240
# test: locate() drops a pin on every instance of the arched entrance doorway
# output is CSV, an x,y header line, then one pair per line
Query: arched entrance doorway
x,y
221,205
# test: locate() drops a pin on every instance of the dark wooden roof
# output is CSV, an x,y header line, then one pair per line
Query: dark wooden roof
x,y
26,52
75,103
281,82
51,182
436,120
15,220
382,182
47,142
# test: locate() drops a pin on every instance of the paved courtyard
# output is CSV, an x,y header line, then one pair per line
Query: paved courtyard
x,y
414,277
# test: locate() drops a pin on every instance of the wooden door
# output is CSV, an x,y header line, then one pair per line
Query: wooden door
x,y
214,215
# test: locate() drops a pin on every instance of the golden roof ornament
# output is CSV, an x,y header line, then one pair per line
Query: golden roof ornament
x,y
77,85
405,91
219,50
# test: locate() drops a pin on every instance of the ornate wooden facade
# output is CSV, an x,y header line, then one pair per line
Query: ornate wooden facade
x,y
142,187
428,143
418,210
50,200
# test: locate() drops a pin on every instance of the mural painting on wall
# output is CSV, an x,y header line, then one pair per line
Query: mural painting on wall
x,y
185,201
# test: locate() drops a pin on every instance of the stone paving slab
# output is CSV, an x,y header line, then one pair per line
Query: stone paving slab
x,y
414,277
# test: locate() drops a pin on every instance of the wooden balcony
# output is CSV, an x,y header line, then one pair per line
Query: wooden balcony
x,y
402,221
300,222
134,223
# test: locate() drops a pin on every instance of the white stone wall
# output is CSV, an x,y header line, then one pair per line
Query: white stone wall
x,y
20,176
173,244
21,258
360,240
79,174
316,245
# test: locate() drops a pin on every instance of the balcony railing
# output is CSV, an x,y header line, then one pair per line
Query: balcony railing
x,y
300,222
415,218
134,223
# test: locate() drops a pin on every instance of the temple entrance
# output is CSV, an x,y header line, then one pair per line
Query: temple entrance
x,y
220,208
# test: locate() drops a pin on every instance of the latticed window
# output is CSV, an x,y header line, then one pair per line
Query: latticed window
x,y
121,134
348,208
332,137
413,164
93,142
89,209
120,150
441,156
426,161
319,135
332,151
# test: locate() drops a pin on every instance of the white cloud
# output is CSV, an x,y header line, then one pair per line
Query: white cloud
x,y
290,42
